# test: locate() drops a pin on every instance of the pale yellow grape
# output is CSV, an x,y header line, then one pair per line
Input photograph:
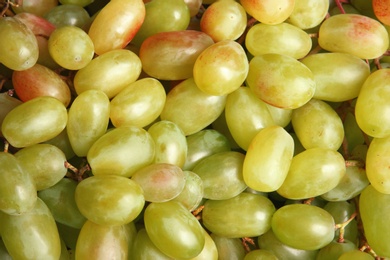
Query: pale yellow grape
x,y
7,103
373,103
313,172
377,169
138,104
308,13
356,34
338,76
228,247
224,20
110,72
318,125
281,116
281,80
280,38
88,119
269,11
192,194
210,251
186,101
221,68
246,115
268,159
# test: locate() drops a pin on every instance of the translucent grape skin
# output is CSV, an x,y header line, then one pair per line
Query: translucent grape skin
x,y
145,249
308,13
192,194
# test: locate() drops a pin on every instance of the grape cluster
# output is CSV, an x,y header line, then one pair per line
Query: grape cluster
x,y
190,129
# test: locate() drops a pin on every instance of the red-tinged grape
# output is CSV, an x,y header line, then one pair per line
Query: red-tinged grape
x,y
303,226
121,151
7,103
35,121
172,55
18,44
381,10
88,119
221,68
37,7
39,81
368,37
178,234
193,6
37,24
308,13
117,21
110,72
269,11
109,199
67,15
224,20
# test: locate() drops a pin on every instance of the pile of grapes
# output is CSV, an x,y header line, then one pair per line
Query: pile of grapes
x,y
190,129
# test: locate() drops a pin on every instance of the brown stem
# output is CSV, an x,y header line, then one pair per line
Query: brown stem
x,y
246,241
354,163
308,201
6,146
197,212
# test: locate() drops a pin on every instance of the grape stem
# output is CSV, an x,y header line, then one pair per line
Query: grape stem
x,y
342,226
354,163
77,174
340,3
197,212
6,146
246,241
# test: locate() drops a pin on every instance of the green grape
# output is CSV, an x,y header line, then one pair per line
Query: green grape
x,y
313,172
62,142
37,7
281,116
368,37
40,81
71,47
19,46
348,8
224,20
139,104
60,200
158,50
365,7
268,159
335,249
178,234
371,102
270,242
44,162
338,76
162,16
356,255
264,38
88,119
67,14
81,3
210,251
308,13
260,254
186,101
228,248
243,126
118,21
31,235
221,68
17,188
353,134
316,124
102,242
267,11
160,182
7,103
192,194
110,72
221,126
170,143
144,248
109,199
281,80
303,226
68,234
65,255
246,215
34,121
4,255
222,175
121,151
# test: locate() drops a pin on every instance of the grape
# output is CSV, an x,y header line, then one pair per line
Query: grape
x,y
268,11
68,234
193,6
76,2
4,252
259,254
67,15
139,104
110,72
160,182
381,10
280,80
19,46
308,13
37,120
37,7
192,194
31,235
88,120
210,251
37,24
62,142
71,47
144,248
303,226
281,116
264,38
185,101
228,248
224,20
335,249
221,68
368,37
364,7
118,21
40,81
109,199
7,103
178,234
253,211
185,46
221,175
268,159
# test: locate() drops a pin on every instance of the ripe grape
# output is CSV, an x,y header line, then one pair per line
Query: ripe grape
x,y
67,15
269,11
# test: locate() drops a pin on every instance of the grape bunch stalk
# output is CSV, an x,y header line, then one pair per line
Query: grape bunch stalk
x,y
194,129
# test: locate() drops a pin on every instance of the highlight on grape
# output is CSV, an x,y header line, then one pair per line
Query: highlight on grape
x,y
194,129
